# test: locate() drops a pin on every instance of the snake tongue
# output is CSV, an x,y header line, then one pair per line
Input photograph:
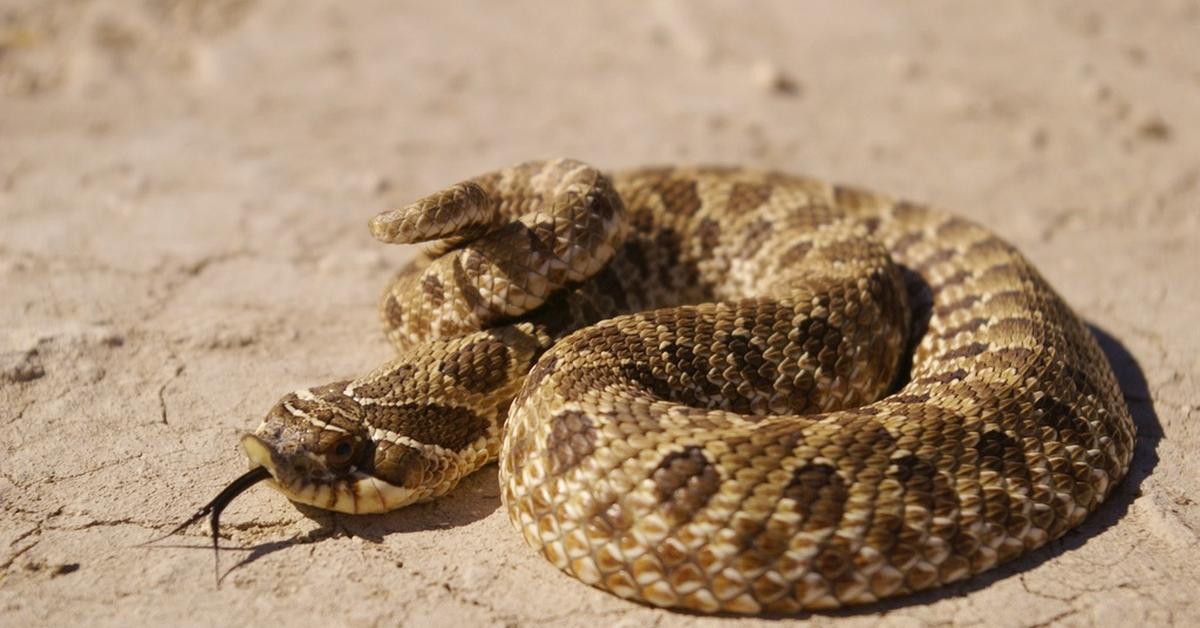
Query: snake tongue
x,y
216,507
222,500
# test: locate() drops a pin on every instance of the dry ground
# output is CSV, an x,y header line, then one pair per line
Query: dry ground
x,y
183,193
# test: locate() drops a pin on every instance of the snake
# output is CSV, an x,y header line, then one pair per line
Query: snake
x,y
716,389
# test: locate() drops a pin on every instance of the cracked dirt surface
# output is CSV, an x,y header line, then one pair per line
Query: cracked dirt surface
x,y
184,188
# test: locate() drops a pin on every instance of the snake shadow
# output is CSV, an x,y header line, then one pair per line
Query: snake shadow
x,y
476,497
1145,458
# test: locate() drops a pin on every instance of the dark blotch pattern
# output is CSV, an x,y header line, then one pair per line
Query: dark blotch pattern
x,y
820,495
670,247
480,367
944,377
708,234
542,238
609,287
968,351
1070,427
379,387
644,375
680,195
572,438
961,304
997,448
795,254
747,196
635,251
754,236
451,427
684,482
466,269
967,327
540,371
433,289
393,314
850,197
939,257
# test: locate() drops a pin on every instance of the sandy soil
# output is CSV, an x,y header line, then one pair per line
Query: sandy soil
x,y
183,193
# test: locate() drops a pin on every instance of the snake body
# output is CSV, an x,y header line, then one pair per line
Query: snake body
x,y
719,389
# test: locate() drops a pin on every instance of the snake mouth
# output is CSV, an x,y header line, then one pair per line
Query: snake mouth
x,y
351,491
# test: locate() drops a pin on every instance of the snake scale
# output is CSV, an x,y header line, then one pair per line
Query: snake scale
x,y
717,389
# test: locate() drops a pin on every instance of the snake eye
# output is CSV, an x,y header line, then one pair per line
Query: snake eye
x,y
341,453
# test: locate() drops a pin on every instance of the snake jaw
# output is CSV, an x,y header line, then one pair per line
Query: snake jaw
x,y
351,491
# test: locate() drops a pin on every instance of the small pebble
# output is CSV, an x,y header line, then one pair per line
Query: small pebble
x,y
771,78
1154,128
906,67
1036,137
26,371
1099,92
64,569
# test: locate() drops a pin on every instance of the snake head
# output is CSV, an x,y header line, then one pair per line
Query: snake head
x,y
318,449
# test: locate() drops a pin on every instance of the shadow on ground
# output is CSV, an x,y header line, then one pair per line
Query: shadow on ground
x,y
474,499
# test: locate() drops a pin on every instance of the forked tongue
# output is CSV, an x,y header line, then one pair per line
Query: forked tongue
x,y
215,507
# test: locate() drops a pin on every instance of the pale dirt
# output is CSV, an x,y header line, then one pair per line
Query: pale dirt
x,y
184,187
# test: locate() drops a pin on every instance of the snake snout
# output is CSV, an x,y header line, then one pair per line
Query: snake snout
x,y
287,460
259,452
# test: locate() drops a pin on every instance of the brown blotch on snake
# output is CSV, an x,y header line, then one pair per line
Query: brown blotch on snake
x,y
572,438
393,314
450,427
684,482
479,367
747,196
433,288
819,494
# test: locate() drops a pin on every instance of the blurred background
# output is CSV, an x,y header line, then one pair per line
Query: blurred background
x,y
184,188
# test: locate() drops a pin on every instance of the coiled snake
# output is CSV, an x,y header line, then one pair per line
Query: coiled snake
x,y
717,389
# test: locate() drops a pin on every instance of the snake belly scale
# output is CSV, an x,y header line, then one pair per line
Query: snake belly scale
x,y
718,389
